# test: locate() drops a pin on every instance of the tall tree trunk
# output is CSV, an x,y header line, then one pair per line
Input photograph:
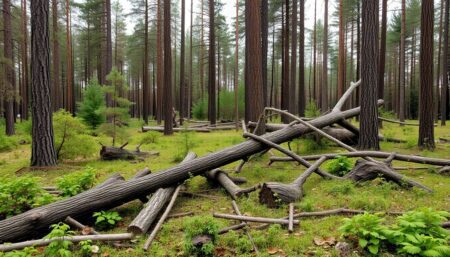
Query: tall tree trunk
x,y
438,70
182,76
341,55
212,67
426,127
254,64
202,32
382,50
189,90
24,55
69,104
314,86
9,70
56,83
401,113
167,93
301,57
42,150
293,74
324,90
159,65
145,86
285,63
108,63
445,65
264,44
236,66
368,138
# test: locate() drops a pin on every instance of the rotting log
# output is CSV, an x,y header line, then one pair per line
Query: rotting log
x,y
161,129
154,206
108,153
74,239
374,154
227,183
33,222
254,219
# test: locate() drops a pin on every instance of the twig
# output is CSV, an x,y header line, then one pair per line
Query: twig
x,y
179,215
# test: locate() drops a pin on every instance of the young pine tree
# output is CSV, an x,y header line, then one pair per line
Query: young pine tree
x,y
92,109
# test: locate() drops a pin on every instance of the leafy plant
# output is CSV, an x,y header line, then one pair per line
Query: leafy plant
x,y
106,219
311,109
91,109
60,248
7,143
19,195
75,183
86,248
150,137
339,166
26,252
199,109
196,226
367,229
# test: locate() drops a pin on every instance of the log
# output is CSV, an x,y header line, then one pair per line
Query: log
x,y
33,222
233,227
108,153
374,154
74,239
155,204
161,129
444,170
253,219
227,183
162,219
400,122
291,218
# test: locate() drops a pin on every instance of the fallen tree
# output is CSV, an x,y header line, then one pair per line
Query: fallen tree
x,y
32,223
109,153
227,183
161,129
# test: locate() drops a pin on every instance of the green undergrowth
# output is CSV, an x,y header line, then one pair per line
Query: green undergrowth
x,y
320,194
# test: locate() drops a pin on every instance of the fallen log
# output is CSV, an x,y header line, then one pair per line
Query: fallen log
x,y
374,154
253,219
227,183
162,219
33,222
400,122
154,206
161,129
109,153
74,239
291,218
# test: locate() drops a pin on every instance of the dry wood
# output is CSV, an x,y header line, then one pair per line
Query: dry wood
x,y
250,238
253,219
109,153
181,214
35,222
154,206
233,227
212,197
74,223
400,122
161,129
162,219
226,182
74,239
291,218
444,170
374,154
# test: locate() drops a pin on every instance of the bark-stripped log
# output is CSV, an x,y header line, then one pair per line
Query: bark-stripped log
x,y
374,154
30,223
226,182
154,206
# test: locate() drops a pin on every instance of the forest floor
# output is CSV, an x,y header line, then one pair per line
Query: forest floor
x,y
319,194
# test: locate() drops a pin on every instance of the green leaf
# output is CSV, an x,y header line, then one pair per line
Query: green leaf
x,y
373,249
411,249
362,242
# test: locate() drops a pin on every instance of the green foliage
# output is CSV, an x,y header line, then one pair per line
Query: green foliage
x,y
185,142
415,233
75,183
86,248
367,229
60,248
21,194
311,144
386,114
339,166
201,225
312,110
118,113
200,109
344,188
106,219
92,108
149,137
7,143
26,252
71,138
226,104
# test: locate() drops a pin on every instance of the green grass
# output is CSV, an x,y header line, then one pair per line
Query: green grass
x,y
319,194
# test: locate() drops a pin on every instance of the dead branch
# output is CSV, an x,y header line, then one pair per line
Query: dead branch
x,y
253,219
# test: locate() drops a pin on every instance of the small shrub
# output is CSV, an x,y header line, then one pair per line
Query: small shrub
x,y
339,166
7,143
26,252
59,248
91,109
203,225
106,219
19,195
311,110
76,183
344,188
150,137
86,248
185,142
200,109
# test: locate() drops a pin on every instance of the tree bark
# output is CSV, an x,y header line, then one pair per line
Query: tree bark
x,y
167,92
301,56
324,90
341,54
264,45
24,54
212,66
56,83
445,65
401,102
382,63
236,67
293,68
159,64
182,66
368,138
285,61
43,149
145,78
9,69
69,75
426,120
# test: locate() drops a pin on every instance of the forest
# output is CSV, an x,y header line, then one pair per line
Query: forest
x,y
224,128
